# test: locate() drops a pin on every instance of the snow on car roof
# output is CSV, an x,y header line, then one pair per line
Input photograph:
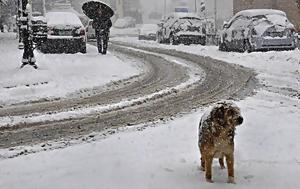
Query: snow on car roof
x,y
63,19
257,12
39,18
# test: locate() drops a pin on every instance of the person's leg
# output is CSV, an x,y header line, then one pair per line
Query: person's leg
x,y
98,37
105,43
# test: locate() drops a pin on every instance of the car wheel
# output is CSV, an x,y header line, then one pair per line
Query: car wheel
x,y
223,47
203,41
83,49
173,41
247,47
159,40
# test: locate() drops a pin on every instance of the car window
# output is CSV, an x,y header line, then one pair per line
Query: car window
x,y
240,23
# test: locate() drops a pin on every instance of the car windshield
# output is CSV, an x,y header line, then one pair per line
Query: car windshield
x,y
271,19
188,22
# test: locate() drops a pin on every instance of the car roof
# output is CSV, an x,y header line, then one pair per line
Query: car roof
x,y
258,12
63,19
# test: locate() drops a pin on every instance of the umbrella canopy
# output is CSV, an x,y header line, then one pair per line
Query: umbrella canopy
x,y
95,9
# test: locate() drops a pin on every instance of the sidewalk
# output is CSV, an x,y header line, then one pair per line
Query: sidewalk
x,y
58,74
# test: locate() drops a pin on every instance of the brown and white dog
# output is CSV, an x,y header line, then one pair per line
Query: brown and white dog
x,y
216,137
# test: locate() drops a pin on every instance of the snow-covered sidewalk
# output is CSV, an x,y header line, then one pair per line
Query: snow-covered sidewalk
x,y
166,156
58,74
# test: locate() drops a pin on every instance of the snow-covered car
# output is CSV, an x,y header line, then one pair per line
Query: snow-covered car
x,y
186,28
39,28
148,32
66,33
90,31
126,22
258,29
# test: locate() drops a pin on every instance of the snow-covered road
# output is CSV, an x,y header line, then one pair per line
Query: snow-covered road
x,y
165,155
59,75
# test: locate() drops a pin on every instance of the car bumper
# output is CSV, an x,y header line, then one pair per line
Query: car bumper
x,y
64,44
273,43
190,39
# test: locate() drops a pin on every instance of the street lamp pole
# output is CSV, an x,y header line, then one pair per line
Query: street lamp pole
x,y
196,10
26,33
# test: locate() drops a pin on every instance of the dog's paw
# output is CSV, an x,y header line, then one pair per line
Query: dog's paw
x,y
202,168
231,180
222,167
209,181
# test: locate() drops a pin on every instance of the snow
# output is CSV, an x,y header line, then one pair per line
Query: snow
x,y
165,155
258,12
63,19
58,75
196,75
147,29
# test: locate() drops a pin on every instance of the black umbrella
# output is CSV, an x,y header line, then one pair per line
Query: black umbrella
x,y
95,9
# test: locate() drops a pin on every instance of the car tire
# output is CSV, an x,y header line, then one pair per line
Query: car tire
x,y
159,39
203,41
223,47
173,41
247,47
83,49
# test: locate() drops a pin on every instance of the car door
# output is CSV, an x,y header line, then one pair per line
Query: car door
x,y
168,25
238,32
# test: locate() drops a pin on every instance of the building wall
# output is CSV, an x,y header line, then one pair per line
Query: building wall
x,y
288,6
219,11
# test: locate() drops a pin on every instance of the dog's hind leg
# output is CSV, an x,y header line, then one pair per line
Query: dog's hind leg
x,y
202,164
221,161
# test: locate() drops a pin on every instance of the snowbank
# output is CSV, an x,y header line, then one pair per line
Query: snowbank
x,y
58,74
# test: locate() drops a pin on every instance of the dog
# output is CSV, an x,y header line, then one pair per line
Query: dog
x,y
216,137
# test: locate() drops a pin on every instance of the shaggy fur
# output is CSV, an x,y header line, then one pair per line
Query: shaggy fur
x,y
216,137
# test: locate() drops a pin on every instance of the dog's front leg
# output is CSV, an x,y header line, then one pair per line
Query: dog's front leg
x,y
230,166
208,168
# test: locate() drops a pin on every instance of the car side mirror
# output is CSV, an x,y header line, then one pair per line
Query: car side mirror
x,y
160,24
226,25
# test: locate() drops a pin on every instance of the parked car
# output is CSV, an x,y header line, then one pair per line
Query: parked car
x,y
90,31
258,29
186,28
126,22
39,28
66,33
148,32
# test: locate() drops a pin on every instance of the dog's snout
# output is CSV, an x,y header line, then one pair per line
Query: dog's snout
x,y
240,120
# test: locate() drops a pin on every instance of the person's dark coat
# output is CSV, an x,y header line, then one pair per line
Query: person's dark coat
x,y
102,27
102,24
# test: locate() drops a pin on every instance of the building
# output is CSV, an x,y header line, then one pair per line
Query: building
x,y
218,11
126,8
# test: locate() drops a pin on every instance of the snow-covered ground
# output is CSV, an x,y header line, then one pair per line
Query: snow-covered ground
x,y
165,155
58,74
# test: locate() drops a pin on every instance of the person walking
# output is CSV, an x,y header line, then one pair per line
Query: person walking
x,y
102,27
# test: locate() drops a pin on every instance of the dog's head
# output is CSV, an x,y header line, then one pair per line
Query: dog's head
x,y
227,114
